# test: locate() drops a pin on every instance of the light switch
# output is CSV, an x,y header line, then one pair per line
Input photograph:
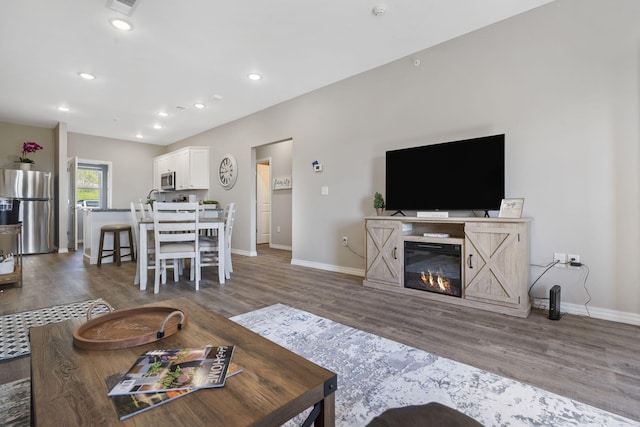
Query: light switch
x,y
324,190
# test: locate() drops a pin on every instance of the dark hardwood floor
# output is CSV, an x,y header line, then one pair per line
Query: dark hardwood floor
x,y
593,361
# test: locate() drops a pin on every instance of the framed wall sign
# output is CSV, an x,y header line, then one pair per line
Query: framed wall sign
x,y
511,208
282,183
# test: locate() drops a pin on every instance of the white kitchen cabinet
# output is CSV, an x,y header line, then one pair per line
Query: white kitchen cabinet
x,y
162,164
191,165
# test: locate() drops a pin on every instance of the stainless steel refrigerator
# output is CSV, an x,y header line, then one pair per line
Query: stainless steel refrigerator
x,y
34,189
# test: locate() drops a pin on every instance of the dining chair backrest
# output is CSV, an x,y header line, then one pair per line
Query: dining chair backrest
x,y
139,213
135,221
228,229
171,218
228,221
175,228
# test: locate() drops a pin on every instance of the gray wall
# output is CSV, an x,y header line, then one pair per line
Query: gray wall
x,y
561,81
13,135
132,175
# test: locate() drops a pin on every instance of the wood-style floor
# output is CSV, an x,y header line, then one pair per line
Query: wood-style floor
x,y
593,361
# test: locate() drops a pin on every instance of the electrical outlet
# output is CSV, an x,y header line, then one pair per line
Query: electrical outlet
x,y
561,260
573,258
345,241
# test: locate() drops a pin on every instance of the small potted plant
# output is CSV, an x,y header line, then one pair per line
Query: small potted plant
x,y
378,203
28,147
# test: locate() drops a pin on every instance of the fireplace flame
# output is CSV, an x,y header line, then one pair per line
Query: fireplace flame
x,y
439,282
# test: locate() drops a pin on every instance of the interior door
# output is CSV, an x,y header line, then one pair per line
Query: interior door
x,y
263,194
72,168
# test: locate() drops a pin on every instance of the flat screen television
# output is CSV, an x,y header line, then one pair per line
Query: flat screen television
x,y
458,175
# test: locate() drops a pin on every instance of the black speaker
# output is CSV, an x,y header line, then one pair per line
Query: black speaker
x,y
554,303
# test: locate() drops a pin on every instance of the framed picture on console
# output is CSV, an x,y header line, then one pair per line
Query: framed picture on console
x,y
511,208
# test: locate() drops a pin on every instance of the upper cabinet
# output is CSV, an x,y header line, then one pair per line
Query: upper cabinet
x,y
191,165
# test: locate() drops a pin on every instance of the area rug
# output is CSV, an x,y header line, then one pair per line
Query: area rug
x,y
375,374
15,403
14,328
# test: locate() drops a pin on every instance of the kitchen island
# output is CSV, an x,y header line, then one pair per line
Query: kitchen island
x,y
93,220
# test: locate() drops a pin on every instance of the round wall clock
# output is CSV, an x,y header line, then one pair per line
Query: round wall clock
x,y
228,171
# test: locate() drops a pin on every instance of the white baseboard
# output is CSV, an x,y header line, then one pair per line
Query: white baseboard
x,y
283,247
595,312
244,253
329,267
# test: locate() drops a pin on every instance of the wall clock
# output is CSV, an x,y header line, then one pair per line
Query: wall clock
x,y
228,171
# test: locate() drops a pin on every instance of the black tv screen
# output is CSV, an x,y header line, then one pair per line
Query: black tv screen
x,y
457,175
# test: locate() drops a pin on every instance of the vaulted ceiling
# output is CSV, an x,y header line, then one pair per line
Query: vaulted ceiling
x,y
180,53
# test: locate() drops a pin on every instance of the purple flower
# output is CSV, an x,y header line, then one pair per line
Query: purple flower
x,y
29,147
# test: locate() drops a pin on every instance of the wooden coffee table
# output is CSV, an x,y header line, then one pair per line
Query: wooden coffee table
x,y
68,383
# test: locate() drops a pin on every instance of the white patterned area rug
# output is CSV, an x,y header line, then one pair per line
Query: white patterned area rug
x,y
15,403
375,374
14,328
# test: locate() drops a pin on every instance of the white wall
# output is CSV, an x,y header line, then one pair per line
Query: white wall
x,y
560,81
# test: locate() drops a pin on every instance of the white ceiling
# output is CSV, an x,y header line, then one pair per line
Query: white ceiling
x,y
185,51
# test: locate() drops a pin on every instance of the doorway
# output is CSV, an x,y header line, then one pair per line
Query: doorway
x,y
272,209
89,188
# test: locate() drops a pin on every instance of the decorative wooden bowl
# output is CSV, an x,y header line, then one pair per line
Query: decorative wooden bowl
x,y
128,328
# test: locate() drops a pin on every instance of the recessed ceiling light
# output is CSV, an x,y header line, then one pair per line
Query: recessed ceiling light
x,y
87,76
139,136
199,105
217,97
254,76
63,108
157,126
163,114
121,24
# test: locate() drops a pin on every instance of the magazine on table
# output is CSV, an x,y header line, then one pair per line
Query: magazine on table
x,y
131,404
177,369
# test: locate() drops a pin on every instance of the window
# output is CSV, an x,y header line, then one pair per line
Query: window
x,y
91,185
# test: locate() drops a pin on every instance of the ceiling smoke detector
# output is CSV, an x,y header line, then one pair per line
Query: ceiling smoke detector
x,y
378,10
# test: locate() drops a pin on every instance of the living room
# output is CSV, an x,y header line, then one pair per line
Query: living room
x,y
560,81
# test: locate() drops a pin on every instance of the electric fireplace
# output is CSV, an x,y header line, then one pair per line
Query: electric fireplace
x,y
433,267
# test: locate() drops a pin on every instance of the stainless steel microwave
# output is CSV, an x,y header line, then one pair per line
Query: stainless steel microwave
x,y
168,181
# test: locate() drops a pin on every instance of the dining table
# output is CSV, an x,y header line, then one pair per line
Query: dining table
x,y
215,225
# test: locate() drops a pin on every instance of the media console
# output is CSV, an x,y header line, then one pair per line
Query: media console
x,y
494,257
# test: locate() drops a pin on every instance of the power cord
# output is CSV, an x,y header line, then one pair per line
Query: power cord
x,y
352,251
546,268
584,285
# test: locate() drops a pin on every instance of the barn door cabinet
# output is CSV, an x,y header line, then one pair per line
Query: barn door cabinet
x,y
384,252
495,258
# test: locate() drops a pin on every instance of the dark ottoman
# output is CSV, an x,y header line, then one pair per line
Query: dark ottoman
x,y
431,414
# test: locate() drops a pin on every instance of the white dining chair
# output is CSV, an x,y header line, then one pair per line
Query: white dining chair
x,y
139,213
175,230
208,245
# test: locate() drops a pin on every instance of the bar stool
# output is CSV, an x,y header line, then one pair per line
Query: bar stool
x,y
116,229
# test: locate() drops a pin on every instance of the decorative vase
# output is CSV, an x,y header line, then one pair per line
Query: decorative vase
x,y
379,211
25,166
